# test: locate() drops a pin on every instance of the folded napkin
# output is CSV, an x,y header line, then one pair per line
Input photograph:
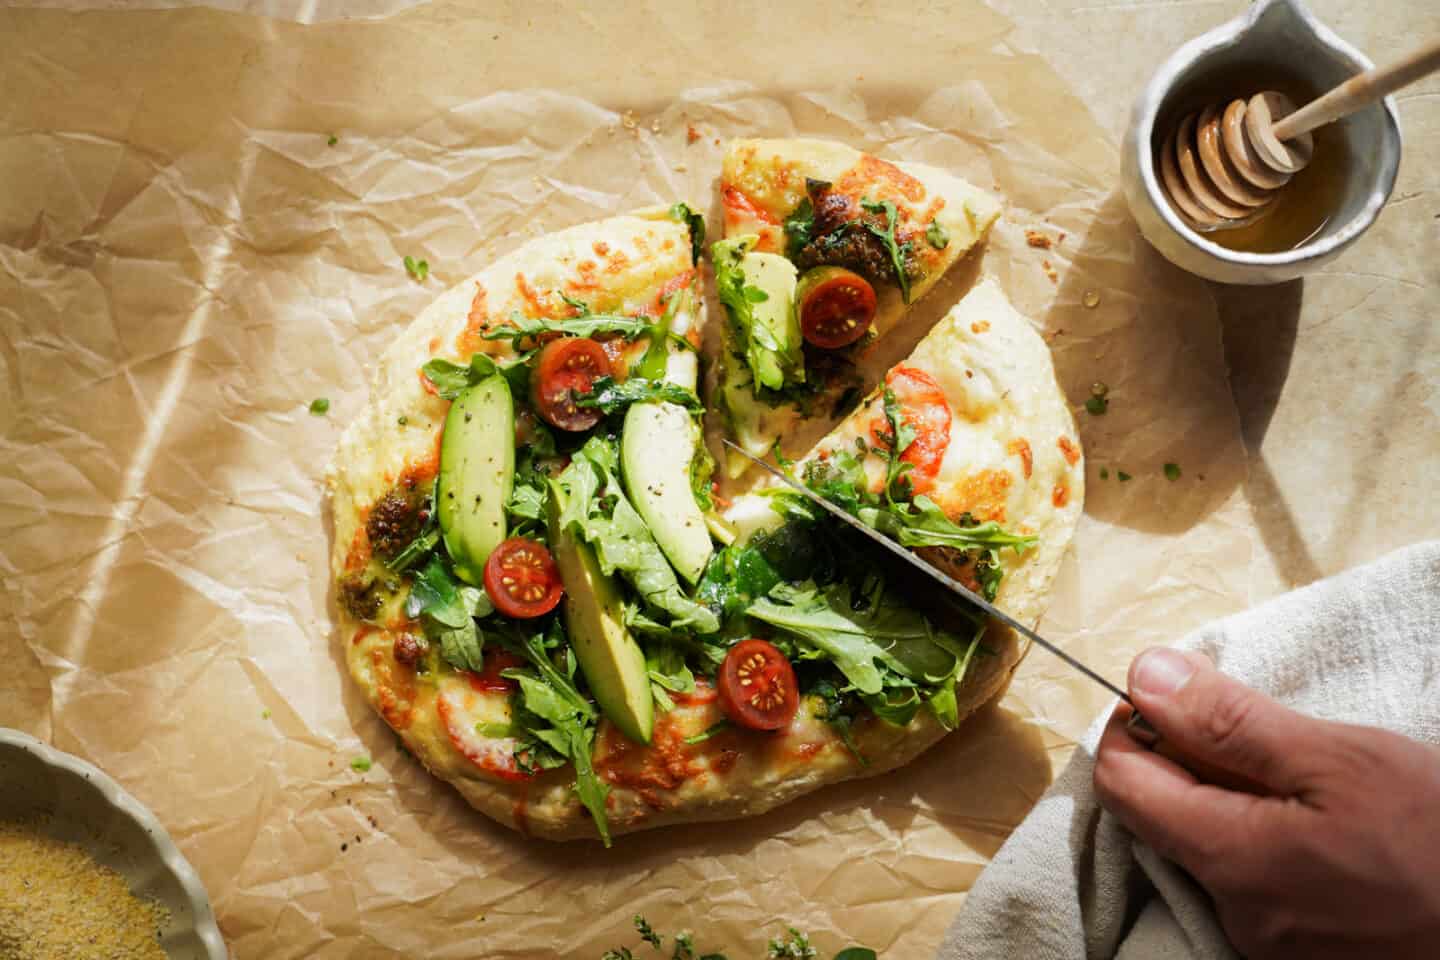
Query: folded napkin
x,y
1071,883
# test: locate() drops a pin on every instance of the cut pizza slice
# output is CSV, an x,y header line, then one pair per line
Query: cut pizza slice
x,y
825,249
988,459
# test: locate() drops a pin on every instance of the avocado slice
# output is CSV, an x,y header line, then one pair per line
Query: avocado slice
x,y
657,448
775,316
477,470
594,618
758,290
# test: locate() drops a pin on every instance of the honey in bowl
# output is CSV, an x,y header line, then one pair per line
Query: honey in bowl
x,y
1304,205
1301,208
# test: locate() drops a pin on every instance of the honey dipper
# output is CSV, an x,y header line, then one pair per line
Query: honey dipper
x,y
1223,168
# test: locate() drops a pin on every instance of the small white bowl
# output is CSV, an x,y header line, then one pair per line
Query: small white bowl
x,y
1279,34
82,805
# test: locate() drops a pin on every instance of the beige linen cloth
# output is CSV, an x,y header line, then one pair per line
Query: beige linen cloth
x,y
1071,883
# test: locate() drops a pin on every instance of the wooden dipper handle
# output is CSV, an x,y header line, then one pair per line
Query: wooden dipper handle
x,y
1359,91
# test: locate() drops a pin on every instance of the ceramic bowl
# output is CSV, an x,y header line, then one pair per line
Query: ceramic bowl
x,y
80,804
1284,37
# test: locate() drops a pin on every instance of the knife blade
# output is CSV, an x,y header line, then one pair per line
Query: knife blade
x,y
934,573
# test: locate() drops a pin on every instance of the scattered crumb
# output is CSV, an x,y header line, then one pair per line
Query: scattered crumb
x,y
1091,300
627,120
1052,335
681,168
1049,271
344,847
654,126
717,141
691,134
980,326
1061,237
1037,239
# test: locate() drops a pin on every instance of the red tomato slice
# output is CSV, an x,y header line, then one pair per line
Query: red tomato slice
x,y
522,579
459,709
757,686
837,306
923,407
568,367
489,679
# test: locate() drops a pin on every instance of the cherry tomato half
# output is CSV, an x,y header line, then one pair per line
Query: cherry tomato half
x,y
837,306
522,579
568,367
757,686
924,408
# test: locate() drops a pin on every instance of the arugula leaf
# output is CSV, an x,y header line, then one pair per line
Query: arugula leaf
x,y
696,224
943,701
800,225
668,672
856,953
447,610
451,378
552,698
702,469
610,396
901,436
710,731
320,406
519,326
887,234
833,702
825,618
922,523
936,235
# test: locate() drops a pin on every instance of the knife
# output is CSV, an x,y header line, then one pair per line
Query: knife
x,y
1137,726
932,572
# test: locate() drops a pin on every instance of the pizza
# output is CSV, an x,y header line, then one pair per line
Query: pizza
x,y
540,590
825,249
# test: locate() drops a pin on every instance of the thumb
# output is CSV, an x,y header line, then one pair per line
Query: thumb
x,y
1221,722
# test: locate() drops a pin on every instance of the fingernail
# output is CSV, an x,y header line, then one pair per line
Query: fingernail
x,y
1161,671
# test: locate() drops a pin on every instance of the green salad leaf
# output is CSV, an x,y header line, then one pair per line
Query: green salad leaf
x,y
557,722
696,225
447,610
611,396
520,327
887,234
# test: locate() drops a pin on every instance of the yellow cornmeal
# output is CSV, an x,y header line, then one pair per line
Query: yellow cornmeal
x,y
57,903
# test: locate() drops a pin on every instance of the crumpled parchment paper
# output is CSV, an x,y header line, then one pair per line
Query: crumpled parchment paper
x,y
186,261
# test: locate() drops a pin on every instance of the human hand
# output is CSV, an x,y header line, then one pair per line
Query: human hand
x,y
1342,859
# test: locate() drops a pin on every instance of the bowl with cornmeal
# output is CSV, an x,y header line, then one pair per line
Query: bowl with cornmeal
x,y
86,872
